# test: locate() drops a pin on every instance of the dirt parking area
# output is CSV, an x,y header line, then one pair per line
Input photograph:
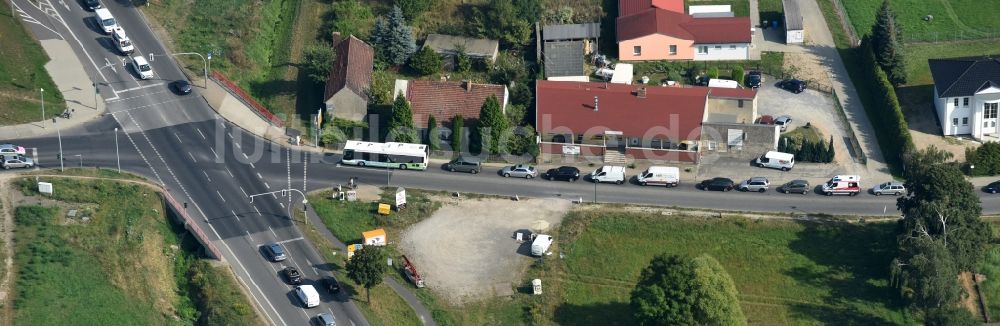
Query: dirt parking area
x,y
467,251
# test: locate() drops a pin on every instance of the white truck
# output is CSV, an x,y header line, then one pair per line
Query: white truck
x,y
541,244
669,176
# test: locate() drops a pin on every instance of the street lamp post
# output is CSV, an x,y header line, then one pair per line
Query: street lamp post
x,y
118,156
41,93
595,191
203,60
95,96
59,133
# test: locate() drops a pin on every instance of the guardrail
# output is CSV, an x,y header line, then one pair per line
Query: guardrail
x,y
237,91
192,226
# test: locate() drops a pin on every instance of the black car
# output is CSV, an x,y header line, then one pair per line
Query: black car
x,y
567,173
92,4
793,85
293,275
718,184
993,187
182,87
330,284
754,79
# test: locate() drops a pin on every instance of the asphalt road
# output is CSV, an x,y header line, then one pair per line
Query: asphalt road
x,y
171,139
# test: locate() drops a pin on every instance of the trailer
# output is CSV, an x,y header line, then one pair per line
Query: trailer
x,y
411,273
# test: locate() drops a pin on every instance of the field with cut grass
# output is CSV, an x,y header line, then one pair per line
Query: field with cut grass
x,y
953,19
22,74
787,273
127,265
991,268
919,72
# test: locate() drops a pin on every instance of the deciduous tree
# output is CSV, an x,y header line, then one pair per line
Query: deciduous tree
x,y
738,74
676,290
366,268
317,59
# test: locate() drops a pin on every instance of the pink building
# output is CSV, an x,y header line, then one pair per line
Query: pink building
x,y
660,30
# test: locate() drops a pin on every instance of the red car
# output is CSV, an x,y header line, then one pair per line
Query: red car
x,y
765,120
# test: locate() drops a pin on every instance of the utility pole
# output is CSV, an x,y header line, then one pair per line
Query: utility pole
x,y
41,93
118,156
59,133
95,96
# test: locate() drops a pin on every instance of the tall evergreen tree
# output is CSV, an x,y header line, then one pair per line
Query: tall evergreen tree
x,y
492,124
457,133
433,134
392,39
830,153
401,122
887,44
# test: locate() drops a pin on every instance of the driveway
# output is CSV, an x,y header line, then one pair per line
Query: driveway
x,y
810,106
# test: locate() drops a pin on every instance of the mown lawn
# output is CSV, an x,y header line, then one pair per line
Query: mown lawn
x,y
22,74
786,272
918,70
991,268
953,19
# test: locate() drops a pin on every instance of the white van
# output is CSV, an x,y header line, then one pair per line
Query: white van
x,y
668,176
142,67
122,42
609,173
104,18
541,244
308,295
776,160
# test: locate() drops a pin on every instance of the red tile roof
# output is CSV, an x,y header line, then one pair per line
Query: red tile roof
x,y
628,7
701,30
732,93
445,99
352,68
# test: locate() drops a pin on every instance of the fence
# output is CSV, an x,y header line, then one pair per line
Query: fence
x,y
261,111
845,22
190,225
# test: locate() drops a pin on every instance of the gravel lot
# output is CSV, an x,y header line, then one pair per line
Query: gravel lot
x,y
466,251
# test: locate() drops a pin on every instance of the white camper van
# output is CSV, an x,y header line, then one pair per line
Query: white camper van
x,y
122,42
609,173
776,160
308,295
104,18
142,67
723,83
668,176
541,244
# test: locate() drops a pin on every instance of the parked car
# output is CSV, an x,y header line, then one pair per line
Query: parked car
x,y
993,187
754,79
520,171
792,85
609,174
717,184
464,164
758,184
292,275
776,160
765,120
330,284
275,252
11,150
783,122
19,161
182,87
325,319
892,188
669,176
567,173
795,186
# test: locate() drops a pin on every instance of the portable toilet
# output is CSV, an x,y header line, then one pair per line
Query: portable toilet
x,y
374,237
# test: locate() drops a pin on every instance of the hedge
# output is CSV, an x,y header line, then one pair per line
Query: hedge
x,y
885,114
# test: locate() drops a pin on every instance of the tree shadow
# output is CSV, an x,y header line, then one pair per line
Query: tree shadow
x,y
917,103
608,313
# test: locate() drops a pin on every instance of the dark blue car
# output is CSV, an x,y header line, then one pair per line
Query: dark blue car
x,y
993,187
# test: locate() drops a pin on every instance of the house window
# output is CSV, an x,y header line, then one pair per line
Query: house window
x,y
732,47
965,101
656,143
718,47
579,139
954,121
990,110
711,145
965,121
673,49
703,49
739,103
956,102
634,141
637,50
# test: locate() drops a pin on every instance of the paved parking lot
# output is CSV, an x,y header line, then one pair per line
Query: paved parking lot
x,y
810,106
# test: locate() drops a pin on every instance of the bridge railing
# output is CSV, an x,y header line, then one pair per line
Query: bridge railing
x,y
242,95
192,226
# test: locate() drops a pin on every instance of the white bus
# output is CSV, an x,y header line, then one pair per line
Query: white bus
x,y
393,155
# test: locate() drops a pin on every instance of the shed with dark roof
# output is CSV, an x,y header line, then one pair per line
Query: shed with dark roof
x,y
346,94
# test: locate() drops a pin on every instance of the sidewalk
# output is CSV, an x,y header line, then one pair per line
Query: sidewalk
x,y
78,90
404,291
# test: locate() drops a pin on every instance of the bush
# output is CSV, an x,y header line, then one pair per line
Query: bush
x,y
984,160
738,74
317,59
426,62
349,18
713,73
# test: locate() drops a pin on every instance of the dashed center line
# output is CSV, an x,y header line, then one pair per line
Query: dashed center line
x,y
206,176
244,192
192,157
237,216
202,135
220,196
230,173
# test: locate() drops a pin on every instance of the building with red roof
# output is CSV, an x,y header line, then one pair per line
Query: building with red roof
x,y
641,122
657,30
346,94
445,99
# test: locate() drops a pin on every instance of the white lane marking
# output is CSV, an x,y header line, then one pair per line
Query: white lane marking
x,y
259,177
34,157
237,216
282,205
252,166
220,196
202,135
138,87
237,145
213,152
148,106
272,232
249,237
192,157
258,211
206,176
178,138
269,187
230,173
313,266
245,156
133,97
230,135
290,240
61,20
244,192
245,271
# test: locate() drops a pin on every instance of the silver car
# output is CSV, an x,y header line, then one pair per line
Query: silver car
x,y
19,161
520,171
758,184
889,188
783,122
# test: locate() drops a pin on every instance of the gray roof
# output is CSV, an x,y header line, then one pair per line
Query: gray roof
x,y
964,76
474,47
571,31
793,17
564,58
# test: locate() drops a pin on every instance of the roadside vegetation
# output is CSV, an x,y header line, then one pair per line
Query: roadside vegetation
x,y
991,270
22,74
126,263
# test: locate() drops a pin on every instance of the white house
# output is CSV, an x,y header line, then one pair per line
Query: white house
x,y
967,95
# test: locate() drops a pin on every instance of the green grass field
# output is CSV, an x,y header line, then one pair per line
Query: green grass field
x,y
953,19
919,72
22,74
128,265
991,268
787,273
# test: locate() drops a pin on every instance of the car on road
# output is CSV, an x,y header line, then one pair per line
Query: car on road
x,y
142,67
783,122
754,79
792,85
11,150
330,284
275,252
992,187
520,171
758,184
795,186
19,161
92,4
717,184
567,173
894,188
181,87
464,164
324,319
292,275
308,295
